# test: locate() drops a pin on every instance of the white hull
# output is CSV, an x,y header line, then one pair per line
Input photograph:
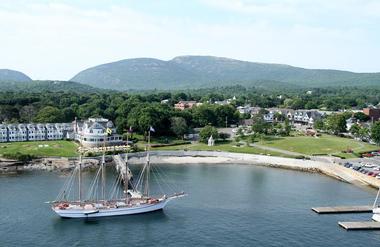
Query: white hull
x,y
106,212
376,217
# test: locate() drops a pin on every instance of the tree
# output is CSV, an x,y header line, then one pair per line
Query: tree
x,y
224,136
260,126
206,132
49,114
178,126
364,133
287,127
375,132
336,123
319,124
354,130
361,116
27,113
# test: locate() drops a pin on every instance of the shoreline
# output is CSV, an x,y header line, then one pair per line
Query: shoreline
x,y
322,166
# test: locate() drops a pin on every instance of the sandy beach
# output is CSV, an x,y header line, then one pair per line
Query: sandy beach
x,y
325,166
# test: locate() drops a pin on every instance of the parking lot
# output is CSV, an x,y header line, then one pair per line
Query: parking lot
x,y
368,165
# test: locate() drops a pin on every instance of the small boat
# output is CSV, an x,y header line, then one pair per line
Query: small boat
x,y
131,201
376,208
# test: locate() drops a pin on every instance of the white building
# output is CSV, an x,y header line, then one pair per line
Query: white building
x,y
306,116
17,132
92,133
33,132
3,133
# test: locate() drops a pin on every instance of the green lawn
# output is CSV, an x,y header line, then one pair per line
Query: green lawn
x,y
325,144
41,148
227,147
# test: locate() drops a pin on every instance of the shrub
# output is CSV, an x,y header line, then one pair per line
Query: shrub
x,y
19,156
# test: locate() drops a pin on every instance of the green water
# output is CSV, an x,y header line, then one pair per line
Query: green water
x,y
228,205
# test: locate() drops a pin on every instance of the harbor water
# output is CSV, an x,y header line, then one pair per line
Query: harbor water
x,y
227,205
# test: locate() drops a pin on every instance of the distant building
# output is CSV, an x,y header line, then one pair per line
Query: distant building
x,y
182,105
372,113
306,116
225,102
33,132
269,117
247,109
244,109
3,133
165,101
92,133
286,113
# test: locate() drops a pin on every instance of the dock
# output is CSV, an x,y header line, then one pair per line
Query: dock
x,y
360,225
343,209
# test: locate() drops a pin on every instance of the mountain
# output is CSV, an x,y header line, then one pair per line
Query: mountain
x,y
207,71
48,86
7,75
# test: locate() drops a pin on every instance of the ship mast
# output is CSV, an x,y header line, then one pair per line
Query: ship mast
x,y
126,179
80,177
103,168
146,187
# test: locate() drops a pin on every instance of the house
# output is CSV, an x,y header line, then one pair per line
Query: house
x,y
225,102
372,113
244,109
269,117
254,110
287,113
307,117
92,133
182,105
165,101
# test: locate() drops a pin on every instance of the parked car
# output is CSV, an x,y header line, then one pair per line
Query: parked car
x,y
347,164
356,168
374,174
369,166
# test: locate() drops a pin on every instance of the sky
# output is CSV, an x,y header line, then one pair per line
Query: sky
x,y
57,39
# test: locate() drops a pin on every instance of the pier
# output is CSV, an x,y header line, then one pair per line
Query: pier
x,y
343,209
360,225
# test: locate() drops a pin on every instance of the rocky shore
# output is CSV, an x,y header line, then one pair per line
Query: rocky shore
x,y
322,165
47,164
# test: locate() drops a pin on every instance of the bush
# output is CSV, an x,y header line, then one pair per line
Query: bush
x,y
224,136
19,156
171,144
206,132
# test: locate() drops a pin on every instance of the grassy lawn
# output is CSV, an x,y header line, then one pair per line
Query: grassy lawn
x,y
227,147
325,144
41,148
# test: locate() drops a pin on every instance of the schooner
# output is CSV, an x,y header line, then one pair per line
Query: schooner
x,y
135,198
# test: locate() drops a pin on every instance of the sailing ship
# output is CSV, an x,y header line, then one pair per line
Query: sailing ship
x,y
135,198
